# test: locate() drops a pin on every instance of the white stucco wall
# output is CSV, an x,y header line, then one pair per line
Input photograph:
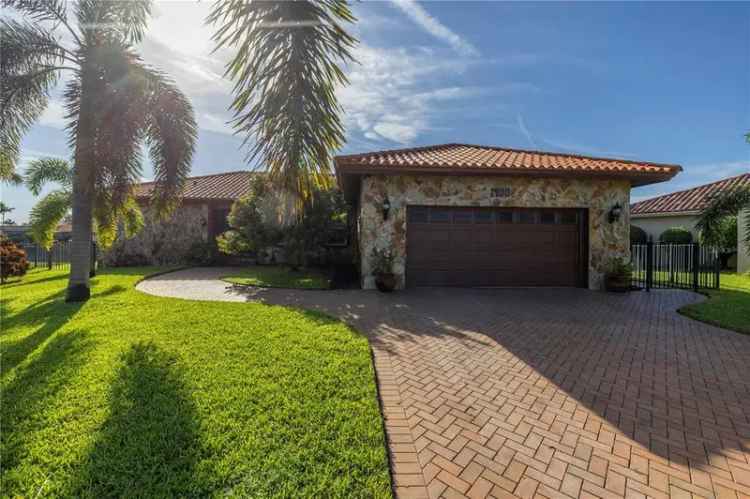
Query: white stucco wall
x,y
743,259
655,225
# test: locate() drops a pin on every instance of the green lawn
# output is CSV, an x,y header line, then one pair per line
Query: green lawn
x,y
277,276
132,395
728,307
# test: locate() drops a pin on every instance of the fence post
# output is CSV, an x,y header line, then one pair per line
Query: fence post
x,y
649,264
92,270
696,265
49,257
718,270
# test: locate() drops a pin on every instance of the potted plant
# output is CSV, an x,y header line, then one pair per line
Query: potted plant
x,y
618,275
382,269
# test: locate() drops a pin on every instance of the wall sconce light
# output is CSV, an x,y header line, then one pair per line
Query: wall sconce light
x,y
615,213
386,208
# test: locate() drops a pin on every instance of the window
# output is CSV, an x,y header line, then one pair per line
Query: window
x,y
547,217
483,216
440,215
568,218
505,217
463,216
418,214
526,217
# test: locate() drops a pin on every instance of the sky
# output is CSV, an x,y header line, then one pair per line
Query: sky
x,y
662,82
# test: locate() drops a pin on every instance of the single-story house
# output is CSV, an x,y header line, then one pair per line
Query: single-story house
x,y
682,208
22,233
200,216
469,215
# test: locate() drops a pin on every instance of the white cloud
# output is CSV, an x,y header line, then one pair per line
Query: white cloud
x,y
396,94
434,27
392,92
53,115
179,43
525,131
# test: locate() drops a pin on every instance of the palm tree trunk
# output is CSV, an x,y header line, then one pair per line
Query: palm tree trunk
x,y
83,194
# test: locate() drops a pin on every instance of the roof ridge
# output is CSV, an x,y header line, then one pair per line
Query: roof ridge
x,y
205,176
397,151
682,191
569,155
502,148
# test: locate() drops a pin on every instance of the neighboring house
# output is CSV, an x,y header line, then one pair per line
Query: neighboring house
x,y
22,233
682,208
466,215
201,216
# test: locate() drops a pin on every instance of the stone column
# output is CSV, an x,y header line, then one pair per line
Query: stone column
x,y
743,258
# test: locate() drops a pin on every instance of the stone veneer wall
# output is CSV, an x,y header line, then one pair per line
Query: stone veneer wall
x,y
598,195
743,257
162,242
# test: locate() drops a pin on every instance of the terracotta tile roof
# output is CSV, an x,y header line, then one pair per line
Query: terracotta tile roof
x,y
690,200
475,159
225,186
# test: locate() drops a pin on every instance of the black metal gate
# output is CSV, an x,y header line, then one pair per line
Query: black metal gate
x,y
684,266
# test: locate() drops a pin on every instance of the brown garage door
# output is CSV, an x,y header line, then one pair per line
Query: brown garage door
x,y
495,247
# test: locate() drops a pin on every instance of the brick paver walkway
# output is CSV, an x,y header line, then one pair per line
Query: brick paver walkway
x,y
547,392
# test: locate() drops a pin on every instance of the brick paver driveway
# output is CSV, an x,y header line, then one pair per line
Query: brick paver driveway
x,y
551,392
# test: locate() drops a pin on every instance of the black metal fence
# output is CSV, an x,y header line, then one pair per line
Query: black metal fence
x,y
685,266
57,257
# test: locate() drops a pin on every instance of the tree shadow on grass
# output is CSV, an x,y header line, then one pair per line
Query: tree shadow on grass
x,y
50,313
25,281
34,388
148,446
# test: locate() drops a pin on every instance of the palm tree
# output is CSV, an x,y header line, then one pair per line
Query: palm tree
x,y
47,214
286,68
728,204
4,210
114,104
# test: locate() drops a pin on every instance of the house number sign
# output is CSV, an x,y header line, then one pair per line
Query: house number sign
x,y
502,192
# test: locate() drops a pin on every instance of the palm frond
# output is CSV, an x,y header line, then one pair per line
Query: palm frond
x,y
108,218
119,21
286,69
47,214
28,71
43,10
8,174
171,133
44,170
729,203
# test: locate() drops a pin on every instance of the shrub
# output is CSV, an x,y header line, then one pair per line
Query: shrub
x,y
676,235
261,220
253,226
13,262
724,235
638,235
619,267
382,261
200,253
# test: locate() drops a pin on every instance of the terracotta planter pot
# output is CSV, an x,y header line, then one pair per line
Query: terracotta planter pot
x,y
385,282
617,283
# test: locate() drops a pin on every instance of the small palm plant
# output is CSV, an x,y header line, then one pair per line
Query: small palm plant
x,y
115,103
47,214
727,204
